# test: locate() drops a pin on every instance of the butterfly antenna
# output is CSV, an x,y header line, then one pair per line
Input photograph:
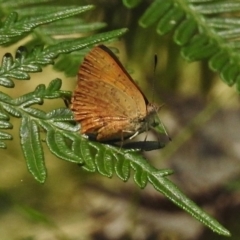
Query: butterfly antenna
x,y
154,71
154,74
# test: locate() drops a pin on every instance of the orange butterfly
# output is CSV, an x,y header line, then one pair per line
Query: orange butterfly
x,y
107,102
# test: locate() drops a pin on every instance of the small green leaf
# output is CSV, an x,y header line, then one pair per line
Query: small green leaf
x,y
122,168
156,10
218,61
5,97
170,20
26,100
185,32
191,53
4,116
12,110
65,125
34,112
54,85
30,68
140,176
5,125
18,75
40,90
21,54
32,149
5,136
89,164
57,144
60,114
229,73
104,163
6,82
7,62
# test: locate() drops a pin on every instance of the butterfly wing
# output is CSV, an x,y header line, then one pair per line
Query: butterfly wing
x,y
106,97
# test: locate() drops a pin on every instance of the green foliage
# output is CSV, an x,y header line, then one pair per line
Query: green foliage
x,y
202,29
25,63
61,134
14,29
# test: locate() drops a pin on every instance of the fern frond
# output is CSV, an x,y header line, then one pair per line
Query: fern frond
x,y
33,19
202,31
32,119
33,61
14,29
62,137
108,160
4,124
63,140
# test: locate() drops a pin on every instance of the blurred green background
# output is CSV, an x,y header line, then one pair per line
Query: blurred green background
x,y
202,116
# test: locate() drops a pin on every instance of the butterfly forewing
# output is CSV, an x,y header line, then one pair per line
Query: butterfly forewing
x,y
106,101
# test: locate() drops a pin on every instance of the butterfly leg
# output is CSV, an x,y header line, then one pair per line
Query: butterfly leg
x,y
134,135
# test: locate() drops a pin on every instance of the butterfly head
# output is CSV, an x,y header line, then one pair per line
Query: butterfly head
x,y
152,113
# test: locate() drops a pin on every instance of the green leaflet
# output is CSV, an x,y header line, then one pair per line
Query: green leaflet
x,y
201,30
32,149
